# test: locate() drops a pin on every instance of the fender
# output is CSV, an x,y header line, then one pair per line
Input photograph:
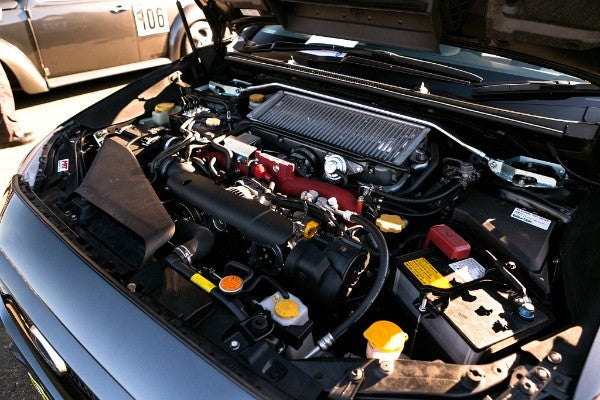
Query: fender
x,y
177,33
29,77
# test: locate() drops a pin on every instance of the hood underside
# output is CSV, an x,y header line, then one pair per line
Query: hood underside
x,y
544,32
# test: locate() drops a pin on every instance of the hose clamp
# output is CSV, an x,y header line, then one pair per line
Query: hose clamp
x,y
184,254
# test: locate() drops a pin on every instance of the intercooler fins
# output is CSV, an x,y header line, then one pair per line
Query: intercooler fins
x,y
377,137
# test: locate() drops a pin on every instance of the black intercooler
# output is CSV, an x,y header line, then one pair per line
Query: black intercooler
x,y
365,133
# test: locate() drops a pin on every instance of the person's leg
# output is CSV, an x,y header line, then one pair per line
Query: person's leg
x,y
9,128
10,132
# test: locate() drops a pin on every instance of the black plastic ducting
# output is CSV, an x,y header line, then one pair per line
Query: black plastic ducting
x,y
116,184
254,220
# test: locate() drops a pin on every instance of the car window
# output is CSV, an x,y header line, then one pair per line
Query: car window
x,y
489,66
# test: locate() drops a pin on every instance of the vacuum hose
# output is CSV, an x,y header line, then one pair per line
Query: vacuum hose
x,y
384,265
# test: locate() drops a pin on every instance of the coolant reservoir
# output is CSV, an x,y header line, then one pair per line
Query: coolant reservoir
x,y
385,340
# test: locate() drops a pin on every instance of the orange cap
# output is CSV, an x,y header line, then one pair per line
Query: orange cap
x,y
231,284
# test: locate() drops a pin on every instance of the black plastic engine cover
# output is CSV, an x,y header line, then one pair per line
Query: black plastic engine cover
x,y
254,220
518,234
116,184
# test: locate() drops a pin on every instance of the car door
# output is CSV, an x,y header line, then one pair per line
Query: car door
x,y
76,36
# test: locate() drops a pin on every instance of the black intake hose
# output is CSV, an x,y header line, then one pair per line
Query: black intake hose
x,y
256,221
384,265
199,242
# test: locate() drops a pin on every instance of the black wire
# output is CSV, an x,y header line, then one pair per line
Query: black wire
x,y
420,200
570,171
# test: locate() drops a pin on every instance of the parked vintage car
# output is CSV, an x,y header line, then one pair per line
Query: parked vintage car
x,y
382,199
50,43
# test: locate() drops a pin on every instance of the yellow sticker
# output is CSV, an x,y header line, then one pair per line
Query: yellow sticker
x,y
202,283
427,274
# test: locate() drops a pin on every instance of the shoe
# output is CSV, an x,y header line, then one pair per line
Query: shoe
x,y
27,137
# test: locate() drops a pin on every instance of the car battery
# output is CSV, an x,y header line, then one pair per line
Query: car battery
x,y
478,321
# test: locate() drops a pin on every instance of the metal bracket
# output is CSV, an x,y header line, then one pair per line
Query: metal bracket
x,y
532,382
523,178
348,387
229,90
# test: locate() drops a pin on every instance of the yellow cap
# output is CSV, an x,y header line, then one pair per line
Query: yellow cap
x,y
231,284
257,98
162,107
386,336
287,308
213,121
389,223
310,230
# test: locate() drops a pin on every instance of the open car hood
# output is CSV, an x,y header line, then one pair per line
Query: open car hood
x,y
543,32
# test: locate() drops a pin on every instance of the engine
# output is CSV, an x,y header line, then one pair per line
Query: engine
x,y
310,222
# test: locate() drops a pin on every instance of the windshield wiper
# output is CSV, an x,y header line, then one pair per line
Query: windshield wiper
x,y
534,89
406,64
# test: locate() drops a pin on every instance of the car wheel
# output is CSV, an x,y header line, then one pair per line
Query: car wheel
x,y
201,35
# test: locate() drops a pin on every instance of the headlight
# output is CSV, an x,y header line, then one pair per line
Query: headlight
x,y
30,165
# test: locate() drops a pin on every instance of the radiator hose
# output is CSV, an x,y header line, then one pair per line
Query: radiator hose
x,y
197,246
384,265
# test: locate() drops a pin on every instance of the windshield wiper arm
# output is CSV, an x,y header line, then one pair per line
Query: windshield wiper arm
x,y
437,71
537,89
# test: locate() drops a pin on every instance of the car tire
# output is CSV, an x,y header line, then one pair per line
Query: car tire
x,y
201,34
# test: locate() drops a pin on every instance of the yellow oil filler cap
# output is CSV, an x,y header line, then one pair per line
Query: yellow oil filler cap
x,y
390,223
287,308
164,107
310,230
386,336
257,98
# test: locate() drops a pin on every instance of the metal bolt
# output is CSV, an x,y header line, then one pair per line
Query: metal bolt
x,y
356,374
493,164
131,287
528,387
276,168
234,344
476,375
359,169
387,367
542,373
554,357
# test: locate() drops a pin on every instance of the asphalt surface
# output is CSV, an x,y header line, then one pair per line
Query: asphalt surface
x,y
41,114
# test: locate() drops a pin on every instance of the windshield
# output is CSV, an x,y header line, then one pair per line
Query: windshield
x,y
493,68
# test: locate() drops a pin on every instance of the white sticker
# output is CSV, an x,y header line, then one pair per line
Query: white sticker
x,y
150,18
63,165
250,12
531,218
468,269
333,41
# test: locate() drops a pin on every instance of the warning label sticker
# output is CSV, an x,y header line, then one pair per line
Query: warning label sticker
x,y
531,218
427,274
468,269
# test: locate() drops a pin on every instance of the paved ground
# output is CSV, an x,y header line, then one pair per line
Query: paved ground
x,y
41,114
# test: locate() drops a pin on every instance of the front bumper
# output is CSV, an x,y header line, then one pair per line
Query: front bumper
x,y
110,343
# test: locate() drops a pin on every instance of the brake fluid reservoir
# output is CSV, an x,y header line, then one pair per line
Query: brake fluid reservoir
x,y
288,312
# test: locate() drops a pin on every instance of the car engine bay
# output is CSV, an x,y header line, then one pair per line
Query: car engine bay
x,y
282,225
